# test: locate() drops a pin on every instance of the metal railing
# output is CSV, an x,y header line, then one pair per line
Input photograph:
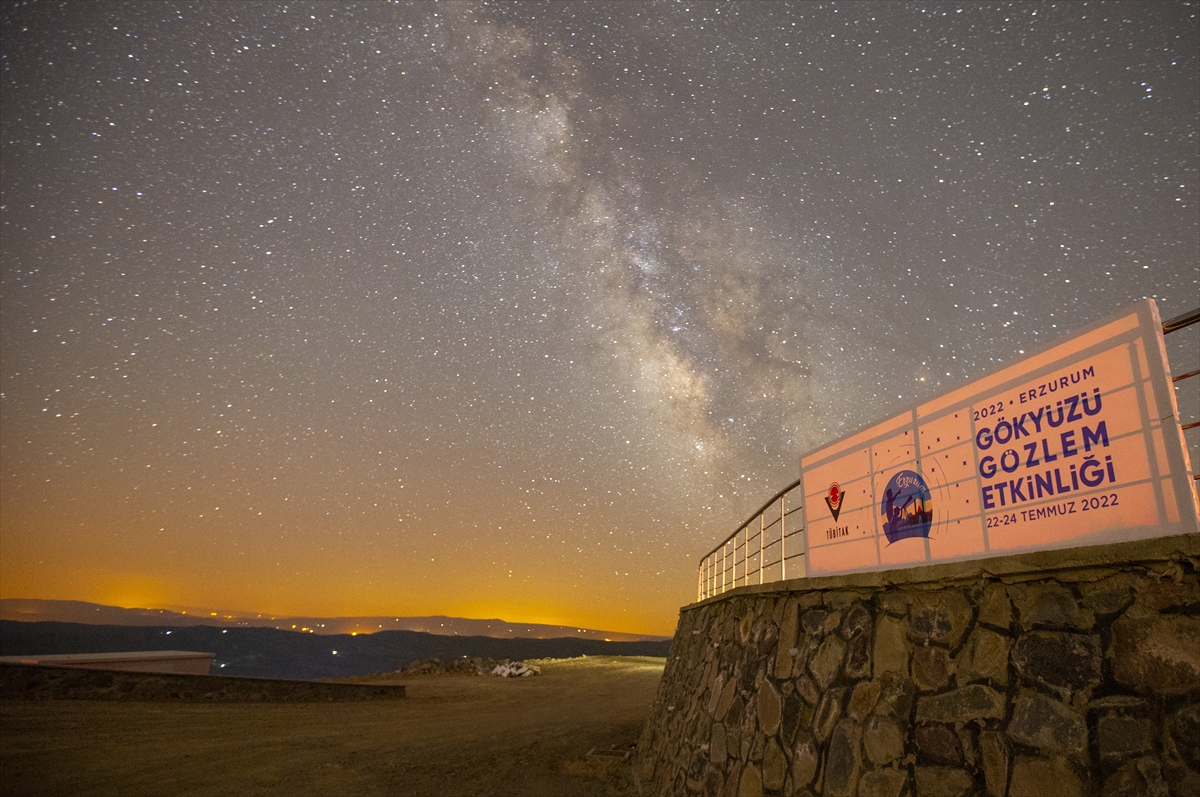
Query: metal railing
x,y
759,552
1173,325
769,546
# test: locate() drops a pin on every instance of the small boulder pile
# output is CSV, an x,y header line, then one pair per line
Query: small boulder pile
x,y
516,669
471,666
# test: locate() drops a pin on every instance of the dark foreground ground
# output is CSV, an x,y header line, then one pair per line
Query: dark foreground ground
x,y
452,735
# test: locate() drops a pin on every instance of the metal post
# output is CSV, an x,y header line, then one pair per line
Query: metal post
x,y
783,537
762,530
735,561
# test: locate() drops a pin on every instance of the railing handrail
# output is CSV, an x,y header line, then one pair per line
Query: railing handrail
x,y
1181,321
752,518
1172,325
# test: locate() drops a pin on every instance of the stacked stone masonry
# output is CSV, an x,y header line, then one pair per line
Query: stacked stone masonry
x,y
1063,684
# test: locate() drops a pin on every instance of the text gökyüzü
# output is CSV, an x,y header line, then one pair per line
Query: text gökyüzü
x,y
1043,451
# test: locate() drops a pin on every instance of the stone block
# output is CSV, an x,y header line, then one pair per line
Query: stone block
x,y
891,648
1123,703
931,668
942,617
827,663
1182,780
896,695
1050,605
805,759
984,656
939,744
796,715
856,622
843,599
1066,663
1048,724
709,677
995,608
750,784
770,708
882,783
943,782
1039,777
807,689
858,658
966,704
789,629
733,738
1110,596
893,603
862,700
779,607
724,698
883,741
1119,738
714,695
757,742
813,622
694,774
993,750
714,782
736,712
1168,594
1155,654
810,599
766,640
968,737
829,710
746,624
733,779
774,766
1140,778
1184,730
843,760
717,751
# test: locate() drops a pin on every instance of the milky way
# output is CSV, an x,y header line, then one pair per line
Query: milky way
x,y
518,309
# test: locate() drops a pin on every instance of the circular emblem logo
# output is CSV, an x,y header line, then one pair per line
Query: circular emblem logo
x,y
834,500
906,508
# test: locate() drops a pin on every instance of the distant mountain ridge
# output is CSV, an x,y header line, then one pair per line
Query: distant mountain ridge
x,y
32,610
271,653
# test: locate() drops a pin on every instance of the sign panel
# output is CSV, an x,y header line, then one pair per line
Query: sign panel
x,y
1077,445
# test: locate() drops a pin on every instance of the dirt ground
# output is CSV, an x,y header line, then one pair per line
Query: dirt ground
x,y
452,735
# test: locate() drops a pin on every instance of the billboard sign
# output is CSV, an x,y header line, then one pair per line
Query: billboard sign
x,y
1077,445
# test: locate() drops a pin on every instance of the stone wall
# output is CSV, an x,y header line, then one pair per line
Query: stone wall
x,y
1057,674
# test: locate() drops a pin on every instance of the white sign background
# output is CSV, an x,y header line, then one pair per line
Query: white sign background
x,y
1076,445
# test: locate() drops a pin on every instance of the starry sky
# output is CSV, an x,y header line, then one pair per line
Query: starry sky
x,y
517,309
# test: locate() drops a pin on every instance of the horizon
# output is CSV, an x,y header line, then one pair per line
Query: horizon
x,y
234,617
517,311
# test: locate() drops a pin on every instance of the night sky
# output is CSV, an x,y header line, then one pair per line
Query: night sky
x,y
516,309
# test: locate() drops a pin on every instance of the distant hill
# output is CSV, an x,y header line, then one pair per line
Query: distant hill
x,y
35,610
271,653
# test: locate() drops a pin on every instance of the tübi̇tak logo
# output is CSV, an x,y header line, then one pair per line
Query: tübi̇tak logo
x,y
834,500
